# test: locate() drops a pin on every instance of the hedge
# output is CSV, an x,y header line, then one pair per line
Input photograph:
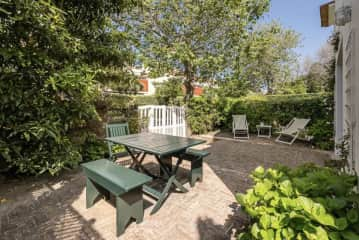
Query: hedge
x,y
145,100
275,110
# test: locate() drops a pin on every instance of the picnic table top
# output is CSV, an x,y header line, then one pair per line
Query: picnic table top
x,y
158,144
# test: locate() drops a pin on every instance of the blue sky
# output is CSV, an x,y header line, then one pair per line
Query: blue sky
x,y
304,17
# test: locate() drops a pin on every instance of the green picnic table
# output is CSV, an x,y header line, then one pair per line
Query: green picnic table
x,y
163,147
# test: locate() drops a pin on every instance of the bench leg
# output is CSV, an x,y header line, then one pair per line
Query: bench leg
x,y
93,191
196,171
129,205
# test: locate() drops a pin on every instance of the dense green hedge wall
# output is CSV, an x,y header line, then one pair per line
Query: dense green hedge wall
x,y
123,108
145,100
276,110
153,100
203,114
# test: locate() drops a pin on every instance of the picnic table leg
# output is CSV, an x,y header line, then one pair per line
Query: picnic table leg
x,y
167,163
163,195
171,173
137,163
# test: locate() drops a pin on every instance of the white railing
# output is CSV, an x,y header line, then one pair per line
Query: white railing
x,y
164,119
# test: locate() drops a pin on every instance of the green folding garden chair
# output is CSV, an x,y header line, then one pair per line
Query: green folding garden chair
x,y
116,130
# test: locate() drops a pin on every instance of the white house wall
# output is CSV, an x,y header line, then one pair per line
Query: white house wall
x,y
347,82
355,80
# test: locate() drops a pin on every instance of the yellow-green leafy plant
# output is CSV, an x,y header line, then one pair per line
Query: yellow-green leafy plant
x,y
308,202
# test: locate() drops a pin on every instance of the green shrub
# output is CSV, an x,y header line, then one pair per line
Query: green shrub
x,y
54,56
169,92
203,114
146,100
93,148
123,108
322,132
280,109
308,202
206,113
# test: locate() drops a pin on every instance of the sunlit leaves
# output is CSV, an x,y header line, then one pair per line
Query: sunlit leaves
x,y
199,39
280,209
53,54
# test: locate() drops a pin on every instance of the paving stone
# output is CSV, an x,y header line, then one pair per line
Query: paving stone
x,y
56,209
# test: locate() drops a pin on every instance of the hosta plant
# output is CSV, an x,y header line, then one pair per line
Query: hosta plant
x,y
307,202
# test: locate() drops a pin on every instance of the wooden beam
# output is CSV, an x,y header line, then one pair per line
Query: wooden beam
x,y
327,14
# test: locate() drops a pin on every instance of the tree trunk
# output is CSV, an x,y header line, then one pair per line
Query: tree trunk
x,y
188,83
269,87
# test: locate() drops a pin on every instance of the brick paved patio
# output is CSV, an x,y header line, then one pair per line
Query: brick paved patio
x,y
42,209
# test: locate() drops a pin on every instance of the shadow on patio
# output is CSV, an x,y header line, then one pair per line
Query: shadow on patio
x,y
207,211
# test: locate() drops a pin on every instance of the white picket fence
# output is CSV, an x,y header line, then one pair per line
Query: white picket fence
x,y
164,119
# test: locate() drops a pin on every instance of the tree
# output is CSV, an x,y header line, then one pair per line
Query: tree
x,y
54,55
168,91
319,73
269,57
198,39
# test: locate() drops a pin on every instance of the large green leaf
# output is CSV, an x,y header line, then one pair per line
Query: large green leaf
x,y
286,188
349,235
352,215
261,188
267,234
315,232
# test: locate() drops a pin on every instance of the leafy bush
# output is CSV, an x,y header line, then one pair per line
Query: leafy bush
x,y
54,55
280,109
146,100
123,108
206,113
322,132
168,92
203,114
308,202
93,148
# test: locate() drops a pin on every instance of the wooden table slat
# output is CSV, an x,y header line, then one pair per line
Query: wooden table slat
x,y
158,144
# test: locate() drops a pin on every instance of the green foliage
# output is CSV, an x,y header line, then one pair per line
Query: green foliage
x,y
268,58
323,133
53,55
308,202
93,148
146,100
123,108
198,39
291,87
203,114
167,93
208,112
280,109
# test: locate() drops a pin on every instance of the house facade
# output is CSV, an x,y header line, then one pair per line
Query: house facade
x,y
149,84
344,15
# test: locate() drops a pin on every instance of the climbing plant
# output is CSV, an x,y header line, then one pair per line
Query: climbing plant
x,y
54,55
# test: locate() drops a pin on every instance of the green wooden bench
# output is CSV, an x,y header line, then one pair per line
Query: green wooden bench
x,y
196,158
105,177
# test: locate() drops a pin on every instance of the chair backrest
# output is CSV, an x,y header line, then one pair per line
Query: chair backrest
x,y
295,124
240,122
117,129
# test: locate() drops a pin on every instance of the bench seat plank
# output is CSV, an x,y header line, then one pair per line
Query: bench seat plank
x,y
196,152
115,178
